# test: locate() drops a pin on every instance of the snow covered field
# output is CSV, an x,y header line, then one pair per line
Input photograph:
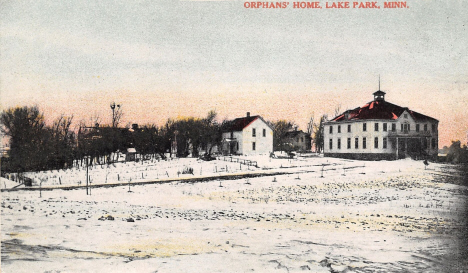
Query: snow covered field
x,y
325,215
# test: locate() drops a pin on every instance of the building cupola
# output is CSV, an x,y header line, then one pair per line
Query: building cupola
x,y
379,95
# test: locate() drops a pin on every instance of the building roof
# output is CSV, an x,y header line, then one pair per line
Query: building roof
x,y
293,134
379,109
239,124
379,93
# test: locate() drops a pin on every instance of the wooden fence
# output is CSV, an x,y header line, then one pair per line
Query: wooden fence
x,y
238,160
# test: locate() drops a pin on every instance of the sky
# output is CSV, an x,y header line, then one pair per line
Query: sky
x,y
169,59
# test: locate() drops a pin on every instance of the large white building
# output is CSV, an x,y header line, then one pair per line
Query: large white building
x,y
249,135
381,130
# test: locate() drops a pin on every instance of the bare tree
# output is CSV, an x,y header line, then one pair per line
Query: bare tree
x,y
310,125
25,127
94,121
319,134
310,129
61,126
337,110
280,128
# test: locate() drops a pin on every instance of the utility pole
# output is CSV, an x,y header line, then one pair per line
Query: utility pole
x,y
87,177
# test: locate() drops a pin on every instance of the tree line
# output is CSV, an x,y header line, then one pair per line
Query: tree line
x,y
34,145
37,146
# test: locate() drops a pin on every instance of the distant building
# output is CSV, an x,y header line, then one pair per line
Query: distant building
x,y
4,150
298,140
4,145
131,154
249,135
381,130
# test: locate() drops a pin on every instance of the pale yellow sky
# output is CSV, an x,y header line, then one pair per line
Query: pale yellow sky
x,y
163,59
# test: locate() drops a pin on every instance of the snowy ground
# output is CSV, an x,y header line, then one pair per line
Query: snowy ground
x,y
157,170
327,215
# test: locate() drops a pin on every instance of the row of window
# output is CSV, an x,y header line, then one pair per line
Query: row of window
x,y
254,133
404,127
376,143
356,143
301,139
254,146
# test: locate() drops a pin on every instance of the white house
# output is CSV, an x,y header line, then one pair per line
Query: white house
x,y
249,135
381,130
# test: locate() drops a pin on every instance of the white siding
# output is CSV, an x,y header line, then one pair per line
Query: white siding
x,y
237,136
357,132
370,134
263,144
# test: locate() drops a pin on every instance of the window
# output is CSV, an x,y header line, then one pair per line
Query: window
x,y
417,127
376,127
364,144
339,143
264,132
364,127
356,143
406,115
433,143
433,128
237,146
253,146
385,127
302,139
232,134
349,128
339,129
349,143
254,132
385,143
330,144
393,127
376,143
425,127
331,129
405,127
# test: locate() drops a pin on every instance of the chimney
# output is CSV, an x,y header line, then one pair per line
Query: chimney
x,y
248,114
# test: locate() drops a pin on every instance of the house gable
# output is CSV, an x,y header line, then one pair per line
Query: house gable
x,y
405,116
240,133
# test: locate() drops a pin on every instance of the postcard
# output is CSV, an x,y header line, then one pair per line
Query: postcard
x,y
234,136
